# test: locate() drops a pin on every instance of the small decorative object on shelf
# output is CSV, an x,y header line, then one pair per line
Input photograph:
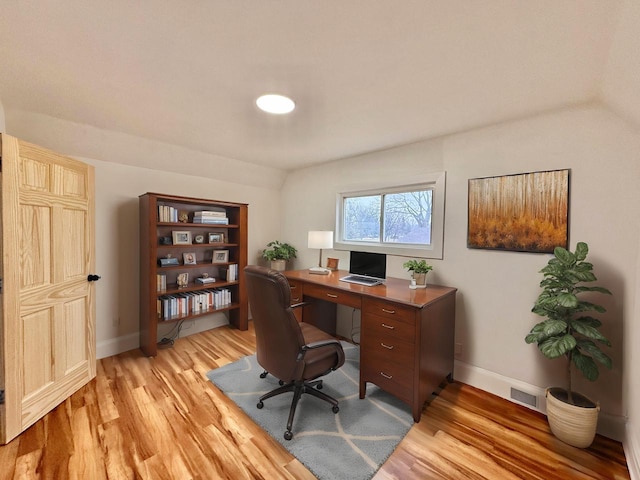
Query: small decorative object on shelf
x,y
182,280
332,263
168,261
169,248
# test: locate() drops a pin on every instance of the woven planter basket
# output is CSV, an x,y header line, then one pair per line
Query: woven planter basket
x,y
572,424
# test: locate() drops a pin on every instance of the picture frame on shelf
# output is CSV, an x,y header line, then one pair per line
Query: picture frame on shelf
x,y
216,238
189,258
181,237
220,256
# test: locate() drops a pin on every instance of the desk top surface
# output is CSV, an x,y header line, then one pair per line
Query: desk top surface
x,y
394,289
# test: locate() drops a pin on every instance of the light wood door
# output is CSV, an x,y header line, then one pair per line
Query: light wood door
x,y
48,308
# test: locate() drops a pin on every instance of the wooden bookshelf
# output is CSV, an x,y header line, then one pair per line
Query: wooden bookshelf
x,y
165,301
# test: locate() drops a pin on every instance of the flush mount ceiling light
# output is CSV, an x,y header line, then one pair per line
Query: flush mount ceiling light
x,y
278,104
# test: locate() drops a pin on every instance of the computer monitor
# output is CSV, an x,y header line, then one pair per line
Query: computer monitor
x,y
368,264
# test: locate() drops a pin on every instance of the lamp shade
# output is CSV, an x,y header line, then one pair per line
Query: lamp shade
x,y
320,239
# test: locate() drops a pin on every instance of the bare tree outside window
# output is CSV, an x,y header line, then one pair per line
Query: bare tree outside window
x,y
406,218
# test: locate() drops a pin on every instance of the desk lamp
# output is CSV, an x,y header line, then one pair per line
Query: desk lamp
x,y
320,239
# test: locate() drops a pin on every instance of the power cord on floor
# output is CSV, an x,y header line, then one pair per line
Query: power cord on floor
x,y
169,340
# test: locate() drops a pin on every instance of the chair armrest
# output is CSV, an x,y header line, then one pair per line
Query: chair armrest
x,y
321,344
299,304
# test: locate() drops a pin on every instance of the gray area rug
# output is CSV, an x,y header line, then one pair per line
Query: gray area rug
x,y
351,444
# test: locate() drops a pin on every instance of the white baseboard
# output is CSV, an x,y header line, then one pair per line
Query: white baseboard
x,y
631,446
610,426
131,341
114,346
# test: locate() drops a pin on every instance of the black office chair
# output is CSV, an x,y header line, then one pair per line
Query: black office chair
x,y
295,353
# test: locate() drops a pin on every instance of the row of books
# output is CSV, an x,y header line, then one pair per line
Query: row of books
x,y
231,273
167,213
182,304
161,282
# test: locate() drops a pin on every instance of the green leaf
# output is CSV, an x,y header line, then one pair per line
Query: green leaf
x,y
582,249
564,256
592,322
589,332
567,300
555,347
592,349
586,365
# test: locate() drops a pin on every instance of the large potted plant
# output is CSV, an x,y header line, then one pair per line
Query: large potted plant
x,y
278,253
570,332
419,270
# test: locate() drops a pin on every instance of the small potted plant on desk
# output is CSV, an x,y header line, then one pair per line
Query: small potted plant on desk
x,y
419,270
570,332
278,253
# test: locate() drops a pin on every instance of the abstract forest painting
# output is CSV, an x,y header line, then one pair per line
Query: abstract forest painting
x,y
526,212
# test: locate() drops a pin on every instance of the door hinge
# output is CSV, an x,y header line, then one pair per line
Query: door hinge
x,y
1,397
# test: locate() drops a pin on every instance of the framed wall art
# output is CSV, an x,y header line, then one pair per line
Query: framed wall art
x,y
527,212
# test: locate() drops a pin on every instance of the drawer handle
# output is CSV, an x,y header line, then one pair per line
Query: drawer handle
x,y
331,295
388,311
293,286
388,347
388,377
295,300
390,327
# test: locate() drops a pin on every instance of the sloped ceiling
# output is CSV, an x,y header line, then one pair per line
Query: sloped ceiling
x,y
365,75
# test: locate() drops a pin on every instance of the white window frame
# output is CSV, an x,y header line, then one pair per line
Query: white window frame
x,y
434,181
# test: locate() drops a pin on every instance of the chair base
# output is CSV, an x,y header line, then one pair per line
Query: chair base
x,y
298,388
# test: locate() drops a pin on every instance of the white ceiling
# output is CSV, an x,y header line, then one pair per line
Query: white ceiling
x,y
365,74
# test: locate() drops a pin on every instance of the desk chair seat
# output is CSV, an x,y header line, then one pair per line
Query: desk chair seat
x,y
297,354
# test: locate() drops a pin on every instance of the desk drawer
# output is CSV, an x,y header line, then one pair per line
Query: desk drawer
x,y
388,327
388,310
395,379
333,295
386,349
296,291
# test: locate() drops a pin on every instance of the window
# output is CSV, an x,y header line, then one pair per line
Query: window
x,y
401,220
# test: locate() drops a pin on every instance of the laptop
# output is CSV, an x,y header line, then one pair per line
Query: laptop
x,y
366,268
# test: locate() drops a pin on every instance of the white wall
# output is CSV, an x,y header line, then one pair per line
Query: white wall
x,y
621,90
497,289
117,189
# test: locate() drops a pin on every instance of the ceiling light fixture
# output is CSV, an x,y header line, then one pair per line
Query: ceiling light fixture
x,y
277,104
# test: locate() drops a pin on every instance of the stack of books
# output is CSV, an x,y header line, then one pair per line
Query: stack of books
x,y
167,213
211,217
205,280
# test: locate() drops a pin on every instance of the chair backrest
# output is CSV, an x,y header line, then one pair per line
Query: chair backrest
x,y
278,335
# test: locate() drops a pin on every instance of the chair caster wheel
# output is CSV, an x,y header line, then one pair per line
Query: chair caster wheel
x,y
288,435
263,375
335,409
280,382
319,386
260,405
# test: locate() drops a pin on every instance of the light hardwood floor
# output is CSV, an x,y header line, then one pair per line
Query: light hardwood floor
x,y
160,418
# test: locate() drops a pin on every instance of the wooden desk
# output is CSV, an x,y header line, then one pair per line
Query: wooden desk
x,y
406,338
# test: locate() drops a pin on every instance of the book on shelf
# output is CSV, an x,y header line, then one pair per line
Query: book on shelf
x,y
209,214
205,280
161,282
167,213
211,220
